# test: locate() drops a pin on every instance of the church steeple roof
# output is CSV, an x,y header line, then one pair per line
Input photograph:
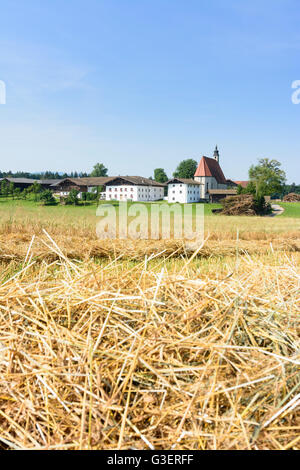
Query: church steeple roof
x,y
210,167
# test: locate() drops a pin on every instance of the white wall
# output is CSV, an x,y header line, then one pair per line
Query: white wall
x,y
183,193
208,182
134,193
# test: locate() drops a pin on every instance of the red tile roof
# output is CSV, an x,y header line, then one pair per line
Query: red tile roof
x,y
210,167
244,184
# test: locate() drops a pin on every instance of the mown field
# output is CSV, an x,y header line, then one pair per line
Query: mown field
x,y
148,344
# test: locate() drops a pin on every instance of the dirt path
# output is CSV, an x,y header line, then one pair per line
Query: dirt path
x,y
277,210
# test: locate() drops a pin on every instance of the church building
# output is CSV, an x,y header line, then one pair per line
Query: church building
x,y
209,182
210,175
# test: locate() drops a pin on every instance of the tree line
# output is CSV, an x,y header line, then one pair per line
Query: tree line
x,y
98,170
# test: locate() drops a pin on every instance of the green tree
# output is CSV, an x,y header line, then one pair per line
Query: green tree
x,y
35,188
4,188
72,197
250,189
99,170
267,177
47,198
160,175
24,193
186,169
17,193
239,189
11,188
84,197
97,190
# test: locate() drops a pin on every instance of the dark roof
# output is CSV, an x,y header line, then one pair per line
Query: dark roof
x,y
30,181
20,180
76,181
183,180
49,181
230,182
210,167
136,180
104,180
95,180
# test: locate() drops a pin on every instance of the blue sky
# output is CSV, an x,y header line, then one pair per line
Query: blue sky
x,y
140,84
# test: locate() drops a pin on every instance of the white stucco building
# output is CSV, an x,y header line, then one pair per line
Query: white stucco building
x,y
134,188
183,190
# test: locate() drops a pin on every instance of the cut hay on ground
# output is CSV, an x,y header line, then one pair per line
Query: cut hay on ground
x,y
118,357
14,246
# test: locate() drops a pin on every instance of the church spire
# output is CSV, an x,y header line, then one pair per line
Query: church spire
x,y
216,154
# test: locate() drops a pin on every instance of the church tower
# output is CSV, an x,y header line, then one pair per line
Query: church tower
x,y
216,154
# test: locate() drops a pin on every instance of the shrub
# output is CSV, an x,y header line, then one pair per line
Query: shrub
x,y
47,198
72,198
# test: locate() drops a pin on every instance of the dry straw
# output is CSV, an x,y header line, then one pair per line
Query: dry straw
x,y
147,356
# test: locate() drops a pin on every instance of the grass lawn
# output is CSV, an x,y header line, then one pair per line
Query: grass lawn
x,y
32,216
291,209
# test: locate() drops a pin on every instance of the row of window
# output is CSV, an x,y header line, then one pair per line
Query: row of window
x,y
190,199
190,185
130,196
131,189
189,192
121,189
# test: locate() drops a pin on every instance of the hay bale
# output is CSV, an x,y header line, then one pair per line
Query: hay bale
x,y
292,197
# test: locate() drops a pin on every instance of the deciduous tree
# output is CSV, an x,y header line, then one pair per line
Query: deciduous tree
x,y
160,175
99,170
186,169
267,177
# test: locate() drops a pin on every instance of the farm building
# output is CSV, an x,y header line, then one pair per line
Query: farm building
x,y
183,190
134,188
24,183
215,195
63,187
244,184
21,183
